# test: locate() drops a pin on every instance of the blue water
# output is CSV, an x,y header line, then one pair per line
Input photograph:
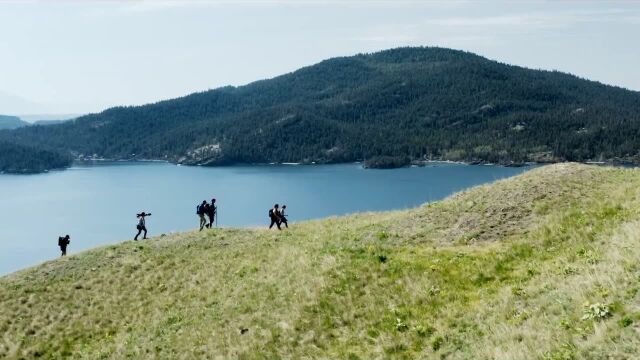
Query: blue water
x,y
96,204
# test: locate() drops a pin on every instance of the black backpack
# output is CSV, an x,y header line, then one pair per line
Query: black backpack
x,y
198,212
62,241
270,213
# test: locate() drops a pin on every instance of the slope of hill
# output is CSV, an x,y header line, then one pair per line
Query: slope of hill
x,y
11,122
540,266
21,159
406,103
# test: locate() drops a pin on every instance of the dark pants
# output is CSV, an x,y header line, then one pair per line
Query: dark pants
x,y
276,221
141,229
212,217
284,221
64,250
203,221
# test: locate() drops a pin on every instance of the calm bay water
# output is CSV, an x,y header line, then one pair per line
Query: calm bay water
x,y
96,204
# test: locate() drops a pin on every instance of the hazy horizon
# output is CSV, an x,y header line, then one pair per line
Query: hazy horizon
x,y
72,58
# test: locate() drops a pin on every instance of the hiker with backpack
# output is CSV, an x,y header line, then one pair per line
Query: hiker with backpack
x,y
142,226
274,215
283,216
212,212
201,210
63,242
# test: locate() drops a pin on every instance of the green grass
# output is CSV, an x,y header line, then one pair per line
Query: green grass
x,y
541,266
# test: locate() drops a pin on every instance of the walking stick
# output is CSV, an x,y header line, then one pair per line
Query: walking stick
x,y
217,214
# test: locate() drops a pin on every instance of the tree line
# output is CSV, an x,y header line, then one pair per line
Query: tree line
x,y
16,158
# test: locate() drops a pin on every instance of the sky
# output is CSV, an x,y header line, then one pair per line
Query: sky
x,y
73,57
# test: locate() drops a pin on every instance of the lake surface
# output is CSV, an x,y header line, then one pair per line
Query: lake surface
x,y
96,204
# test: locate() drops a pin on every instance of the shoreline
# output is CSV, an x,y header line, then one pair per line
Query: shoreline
x,y
412,164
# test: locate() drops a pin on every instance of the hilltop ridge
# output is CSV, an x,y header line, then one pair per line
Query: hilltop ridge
x,y
388,108
539,266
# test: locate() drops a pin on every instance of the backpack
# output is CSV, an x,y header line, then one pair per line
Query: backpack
x,y
60,241
270,213
198,212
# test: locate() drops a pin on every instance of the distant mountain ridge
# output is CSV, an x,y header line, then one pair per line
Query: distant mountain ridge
x,y
398,105
49,122
47,119
11,122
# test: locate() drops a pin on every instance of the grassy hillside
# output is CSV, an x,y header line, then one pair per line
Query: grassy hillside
x,y
540,266
387,107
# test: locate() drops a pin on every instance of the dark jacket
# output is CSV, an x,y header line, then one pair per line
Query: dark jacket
x,y
63,241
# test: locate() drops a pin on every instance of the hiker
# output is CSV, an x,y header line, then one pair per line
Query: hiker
x,y
201,210
141,225
274,215
212,212
205,212
283,216
63,242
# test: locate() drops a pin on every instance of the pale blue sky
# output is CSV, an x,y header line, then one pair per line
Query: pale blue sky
x,y
76,57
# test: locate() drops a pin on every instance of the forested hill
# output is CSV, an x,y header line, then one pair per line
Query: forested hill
x,y
20,159
406,103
